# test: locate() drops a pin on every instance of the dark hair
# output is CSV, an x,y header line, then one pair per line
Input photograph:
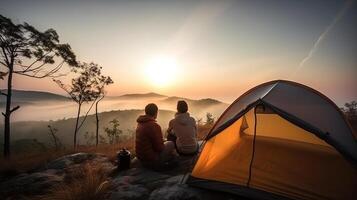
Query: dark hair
x,y
151,109
182,106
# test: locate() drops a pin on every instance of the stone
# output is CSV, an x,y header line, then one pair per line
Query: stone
x,y
130,192
65,161
34,183
175,192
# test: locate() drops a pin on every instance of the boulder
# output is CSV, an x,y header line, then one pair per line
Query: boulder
x,y
130,192
68,160
176,192
62,169
34,183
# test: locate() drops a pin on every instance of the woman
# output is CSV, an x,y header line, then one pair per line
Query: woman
x,y
184,128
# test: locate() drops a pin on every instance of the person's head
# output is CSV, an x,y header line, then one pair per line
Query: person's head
x,y
182,107
151,110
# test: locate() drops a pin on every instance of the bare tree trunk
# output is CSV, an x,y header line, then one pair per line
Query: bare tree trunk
x,y
54,137
76,127
8,110
8,114
97,121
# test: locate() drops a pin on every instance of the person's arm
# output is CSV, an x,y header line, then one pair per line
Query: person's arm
x,y
169,129
156,138
195,126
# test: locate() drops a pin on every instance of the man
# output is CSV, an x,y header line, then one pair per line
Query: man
x,y
149,145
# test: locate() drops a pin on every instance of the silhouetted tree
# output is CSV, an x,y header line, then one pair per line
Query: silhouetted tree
x,y
100,96
55,140
209,119
114,132
28,52
199,121
83,89
350,110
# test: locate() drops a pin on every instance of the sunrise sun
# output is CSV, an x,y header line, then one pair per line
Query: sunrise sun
x,y
161,71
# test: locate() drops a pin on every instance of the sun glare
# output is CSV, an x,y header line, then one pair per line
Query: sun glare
x,y
161,71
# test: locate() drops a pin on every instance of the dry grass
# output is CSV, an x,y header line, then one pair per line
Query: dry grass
x,y
109,150
26,162
203,130
90,184
19,163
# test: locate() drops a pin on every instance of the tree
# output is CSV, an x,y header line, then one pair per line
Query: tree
x,y
89,138
114,132
350,110
199,122
102,139
100,96
29,52
209,119
55,140
84,89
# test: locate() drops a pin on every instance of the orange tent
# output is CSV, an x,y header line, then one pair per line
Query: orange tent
x,y
280,139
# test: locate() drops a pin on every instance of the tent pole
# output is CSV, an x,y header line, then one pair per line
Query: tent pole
x,y
254,137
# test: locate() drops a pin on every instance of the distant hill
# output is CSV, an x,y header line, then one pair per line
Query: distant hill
x,y
200,102
39,129
28,97
138,96
37,105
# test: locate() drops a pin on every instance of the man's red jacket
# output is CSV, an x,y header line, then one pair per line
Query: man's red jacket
x,y
149,140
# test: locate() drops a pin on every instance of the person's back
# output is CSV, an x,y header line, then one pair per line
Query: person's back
x,y
149,145
184,128
148,142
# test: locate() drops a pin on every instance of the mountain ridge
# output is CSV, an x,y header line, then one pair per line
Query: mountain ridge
x,y
24,96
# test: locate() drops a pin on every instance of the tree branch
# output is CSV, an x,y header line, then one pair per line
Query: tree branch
x,y
85,117
5,55
47,74
34,62
14,109
2,93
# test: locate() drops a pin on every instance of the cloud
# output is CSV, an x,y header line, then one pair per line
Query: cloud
x,y
324,34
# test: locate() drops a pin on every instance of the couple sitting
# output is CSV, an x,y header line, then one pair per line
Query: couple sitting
x,y
150,147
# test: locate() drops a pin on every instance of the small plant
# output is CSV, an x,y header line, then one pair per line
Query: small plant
x,y
89,138
55,140
114,132
209,119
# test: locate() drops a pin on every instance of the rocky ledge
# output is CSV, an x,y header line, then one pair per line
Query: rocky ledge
x,y
136,183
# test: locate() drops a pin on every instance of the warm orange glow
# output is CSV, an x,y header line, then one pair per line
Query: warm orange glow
x,y
161,71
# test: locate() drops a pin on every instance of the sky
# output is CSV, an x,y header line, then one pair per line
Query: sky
x,y
216,49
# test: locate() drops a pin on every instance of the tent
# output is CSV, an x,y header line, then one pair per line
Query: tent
x,y
280,140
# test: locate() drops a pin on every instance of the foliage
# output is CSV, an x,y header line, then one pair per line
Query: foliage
x,y
28,52
86,87
209,119
29,49
89,137
350,110
114,132
55,140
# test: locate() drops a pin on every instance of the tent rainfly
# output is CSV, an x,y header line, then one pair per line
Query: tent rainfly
x,y
280,140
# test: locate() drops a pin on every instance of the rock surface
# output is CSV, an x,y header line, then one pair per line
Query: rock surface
x,y
139,183
55,172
